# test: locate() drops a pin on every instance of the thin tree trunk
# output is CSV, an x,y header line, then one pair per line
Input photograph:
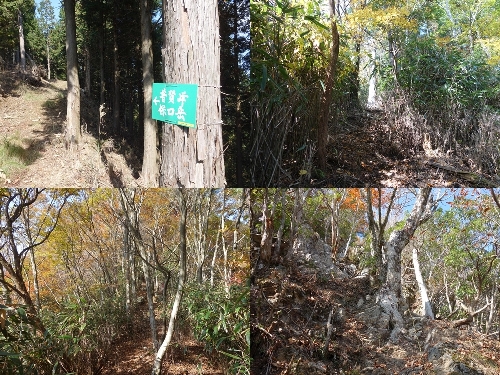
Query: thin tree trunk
x,y
131,211
214,257
35,280
224,247
127,273
21,42
493,304
150,166
279,235
73,132
149,294
326,97
426,304
48,59
193,157
372,85
180,286
267,230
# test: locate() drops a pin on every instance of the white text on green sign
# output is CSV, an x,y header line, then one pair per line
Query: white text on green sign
x,y
175,103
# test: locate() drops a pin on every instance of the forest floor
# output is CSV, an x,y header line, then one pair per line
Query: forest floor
x,y
289,315
132,352
32,149
362,154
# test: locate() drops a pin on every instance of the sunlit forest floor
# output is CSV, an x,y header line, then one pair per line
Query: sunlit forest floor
x,y
362,154
32,150
132,353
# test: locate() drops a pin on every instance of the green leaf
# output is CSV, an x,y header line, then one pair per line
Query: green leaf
x,y
316,22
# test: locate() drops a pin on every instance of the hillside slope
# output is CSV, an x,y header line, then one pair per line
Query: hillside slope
x,y
32,151
292,310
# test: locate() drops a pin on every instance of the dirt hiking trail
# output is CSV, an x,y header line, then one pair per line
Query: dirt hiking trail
x,y
32,150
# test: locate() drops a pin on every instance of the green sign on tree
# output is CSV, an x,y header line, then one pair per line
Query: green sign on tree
x,y
175,103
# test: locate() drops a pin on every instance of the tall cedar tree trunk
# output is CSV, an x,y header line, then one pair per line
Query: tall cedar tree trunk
x,y
73,132
326,98
87,71
191,54
390,292
116,77
22,51
182,193
150,166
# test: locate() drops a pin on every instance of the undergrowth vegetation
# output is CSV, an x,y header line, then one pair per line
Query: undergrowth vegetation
x,y
446,97
418,78
76,340
221,321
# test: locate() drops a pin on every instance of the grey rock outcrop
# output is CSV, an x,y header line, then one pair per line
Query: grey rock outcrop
x,y
312,255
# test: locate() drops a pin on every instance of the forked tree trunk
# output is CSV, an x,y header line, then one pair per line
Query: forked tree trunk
x,y
193,157
73,132
390,292
150,161
180,286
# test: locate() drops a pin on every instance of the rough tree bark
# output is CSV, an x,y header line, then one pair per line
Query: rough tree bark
x,y
426,304
73,132
150,161
182,194
390,292
193,157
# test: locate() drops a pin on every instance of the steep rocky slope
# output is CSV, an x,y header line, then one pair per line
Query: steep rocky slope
x,y
306,321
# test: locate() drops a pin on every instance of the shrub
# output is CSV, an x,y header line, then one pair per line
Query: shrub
x,y
221,322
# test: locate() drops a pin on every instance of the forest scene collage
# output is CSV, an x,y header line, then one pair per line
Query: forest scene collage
x,y
250,187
